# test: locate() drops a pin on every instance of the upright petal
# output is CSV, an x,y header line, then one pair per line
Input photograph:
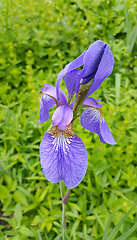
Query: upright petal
x,y
62,116
92,60
67,117
57,115
68,68
46,103
104,69
63,157
92,120
70,81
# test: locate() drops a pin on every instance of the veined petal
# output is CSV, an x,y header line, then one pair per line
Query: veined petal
x,y
51,91
105,68
70,81
62,116
63,157
92,60
68,68
46,103
92,102
105,132
92,120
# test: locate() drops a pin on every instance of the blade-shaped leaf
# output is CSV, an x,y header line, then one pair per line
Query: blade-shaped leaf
x,y
116,228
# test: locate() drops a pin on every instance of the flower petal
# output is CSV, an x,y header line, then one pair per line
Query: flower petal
x,y
104,69
67,117
51,91
63,157
62,116
68,68
70,81
57,115
92,102
46,103
92,120
92,60
105,133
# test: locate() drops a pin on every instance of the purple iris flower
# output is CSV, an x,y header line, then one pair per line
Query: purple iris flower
x,y
63,154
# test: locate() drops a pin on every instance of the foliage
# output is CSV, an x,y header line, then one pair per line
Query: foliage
x,y
37,39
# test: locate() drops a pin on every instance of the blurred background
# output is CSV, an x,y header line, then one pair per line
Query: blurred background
x,y
37,39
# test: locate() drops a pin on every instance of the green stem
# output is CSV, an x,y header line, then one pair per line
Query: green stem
x,y
63,211
7,13
82,93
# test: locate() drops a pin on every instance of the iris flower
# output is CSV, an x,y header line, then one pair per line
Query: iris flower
x,y
63,154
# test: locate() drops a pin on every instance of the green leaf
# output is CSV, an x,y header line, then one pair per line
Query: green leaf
x,y
107,227
117,177
26,231
132,38
74,215
20,197
128,233
18,213
16,237
39,236
26,192
118,225
3,192
117,86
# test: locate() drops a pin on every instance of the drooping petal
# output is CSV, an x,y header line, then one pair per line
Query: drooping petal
x,y
62,116
51,91
63,157
92,120
105,133
46,103
68,68
92,102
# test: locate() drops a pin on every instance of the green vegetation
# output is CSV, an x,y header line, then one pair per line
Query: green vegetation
x,y
37,39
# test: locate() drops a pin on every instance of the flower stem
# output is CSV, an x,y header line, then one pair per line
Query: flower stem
x,y
63,211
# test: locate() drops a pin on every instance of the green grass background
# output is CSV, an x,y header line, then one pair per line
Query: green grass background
x,y
37,39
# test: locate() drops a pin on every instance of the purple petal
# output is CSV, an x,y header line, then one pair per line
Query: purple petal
x,y
63,157
62,116
70,81
46,103
57,115
51,91
68,68
92,60
105,133
92,102
92,120
104,69
67,117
